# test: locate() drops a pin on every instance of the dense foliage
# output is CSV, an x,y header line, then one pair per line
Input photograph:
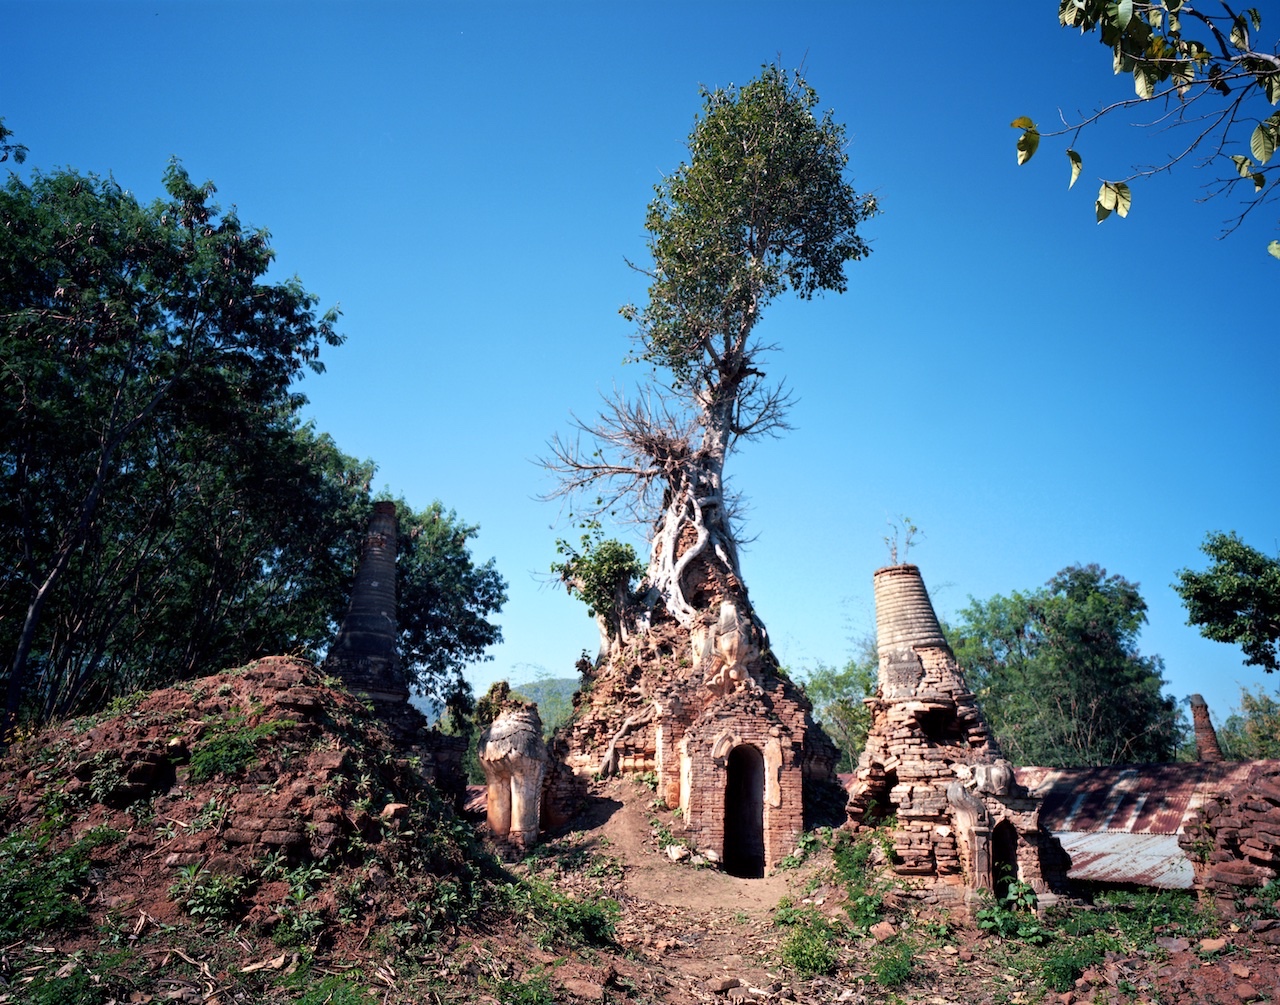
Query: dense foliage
x,y
1059,677
163,511
1236,599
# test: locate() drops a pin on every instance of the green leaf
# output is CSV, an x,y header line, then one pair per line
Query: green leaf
x,y
1255,17
1263,143
1274,248
1124,14
1022,122
1027,144
1113,196
1243,164
1258,181
1076,164
1240,34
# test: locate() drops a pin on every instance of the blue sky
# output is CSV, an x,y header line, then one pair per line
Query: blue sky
x,y
1031,388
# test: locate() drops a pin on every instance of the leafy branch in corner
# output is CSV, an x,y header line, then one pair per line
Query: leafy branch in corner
x,y
1213,86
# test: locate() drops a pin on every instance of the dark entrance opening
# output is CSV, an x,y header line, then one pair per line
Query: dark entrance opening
x,y
1004,858
744,814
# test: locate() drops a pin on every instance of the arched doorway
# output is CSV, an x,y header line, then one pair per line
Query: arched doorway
x,y
1004,858
744,813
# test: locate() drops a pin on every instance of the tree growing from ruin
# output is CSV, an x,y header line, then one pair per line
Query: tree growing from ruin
x,y
1211,77
763,206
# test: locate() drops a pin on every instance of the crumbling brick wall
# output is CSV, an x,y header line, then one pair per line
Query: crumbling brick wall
x,y
650,708
1233,837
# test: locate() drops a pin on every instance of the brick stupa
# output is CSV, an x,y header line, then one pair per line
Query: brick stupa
x,y
963,822
366,658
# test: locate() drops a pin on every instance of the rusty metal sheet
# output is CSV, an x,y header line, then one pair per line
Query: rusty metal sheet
x,y
1118,857
1128,799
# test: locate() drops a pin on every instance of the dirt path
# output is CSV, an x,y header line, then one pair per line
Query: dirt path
x,y
702,936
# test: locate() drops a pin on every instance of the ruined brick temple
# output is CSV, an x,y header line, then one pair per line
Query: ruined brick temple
x,y
964,823
729,739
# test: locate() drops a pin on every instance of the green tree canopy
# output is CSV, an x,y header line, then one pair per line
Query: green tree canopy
x,y
1252,732
1236,599
163,512
1058,674
446,600
837,696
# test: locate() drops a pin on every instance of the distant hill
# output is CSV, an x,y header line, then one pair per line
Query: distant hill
x,y
554,698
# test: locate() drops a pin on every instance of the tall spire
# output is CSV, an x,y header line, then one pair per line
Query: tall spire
x,y
1206,736
364,654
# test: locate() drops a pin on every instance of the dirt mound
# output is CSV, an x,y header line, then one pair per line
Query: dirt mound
x,y
218,794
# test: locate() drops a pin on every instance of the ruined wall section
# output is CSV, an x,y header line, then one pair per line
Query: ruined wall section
x,y
676,702
1233,839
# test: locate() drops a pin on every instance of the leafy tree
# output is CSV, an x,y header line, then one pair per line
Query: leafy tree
x,y
163,512
1203,64
601,572
445,602
837,696
1058,674
1252,732
118,320
1237,599
762,206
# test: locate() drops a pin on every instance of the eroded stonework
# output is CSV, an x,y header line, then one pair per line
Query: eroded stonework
x,y
963,822
514,758
730,740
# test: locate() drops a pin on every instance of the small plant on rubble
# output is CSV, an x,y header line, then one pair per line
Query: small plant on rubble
x,y
600,572
809,948
1012,916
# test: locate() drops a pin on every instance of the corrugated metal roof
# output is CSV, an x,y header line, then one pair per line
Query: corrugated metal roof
x,y
1129,799
1117,857
1120,824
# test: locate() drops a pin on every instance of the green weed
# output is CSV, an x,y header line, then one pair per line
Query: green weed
x,y
334,990
892,963
1013,915
210,896
809,949
232,748
40,887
